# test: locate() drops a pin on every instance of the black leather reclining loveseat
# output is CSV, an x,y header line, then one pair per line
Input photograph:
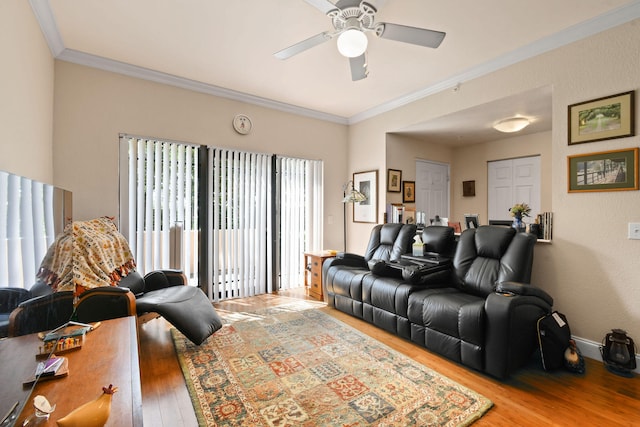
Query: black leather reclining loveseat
x,y
478,310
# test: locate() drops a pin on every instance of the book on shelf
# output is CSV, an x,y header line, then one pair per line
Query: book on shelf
x,y
395,212
545,219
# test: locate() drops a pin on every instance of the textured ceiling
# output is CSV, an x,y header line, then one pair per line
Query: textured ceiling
x,y
229,45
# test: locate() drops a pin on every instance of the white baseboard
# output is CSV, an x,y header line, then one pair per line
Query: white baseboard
x,y
591,349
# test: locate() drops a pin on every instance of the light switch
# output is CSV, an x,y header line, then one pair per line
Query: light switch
x,y
634,230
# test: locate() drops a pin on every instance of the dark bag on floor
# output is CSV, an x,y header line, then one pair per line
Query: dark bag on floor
x,y
553,337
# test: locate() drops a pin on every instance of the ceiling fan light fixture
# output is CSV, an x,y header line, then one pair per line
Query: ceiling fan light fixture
x,y
512,124
352,43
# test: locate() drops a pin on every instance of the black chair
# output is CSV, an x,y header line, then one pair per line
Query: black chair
x,y
104,303
166,293
343,275
41,313
10,298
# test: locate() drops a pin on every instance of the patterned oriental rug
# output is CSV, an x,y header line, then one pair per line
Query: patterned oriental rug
x,y
294,365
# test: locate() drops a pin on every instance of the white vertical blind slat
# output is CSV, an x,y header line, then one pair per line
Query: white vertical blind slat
x,y
160,194
238,239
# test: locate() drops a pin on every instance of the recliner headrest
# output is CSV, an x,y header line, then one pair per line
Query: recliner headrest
x,y
439,239
492,242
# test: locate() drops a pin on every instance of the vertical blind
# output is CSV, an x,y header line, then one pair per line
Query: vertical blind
x,y
301,209
240,256
160,215
26,228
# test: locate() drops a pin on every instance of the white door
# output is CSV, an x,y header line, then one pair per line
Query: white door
x,y
513,181
432,189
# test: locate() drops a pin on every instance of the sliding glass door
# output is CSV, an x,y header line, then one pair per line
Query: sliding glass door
x,y
237,223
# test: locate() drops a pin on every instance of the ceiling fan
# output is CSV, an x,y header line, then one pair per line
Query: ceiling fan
x,y
352,19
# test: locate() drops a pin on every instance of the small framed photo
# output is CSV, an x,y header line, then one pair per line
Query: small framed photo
x,y
408,191
603,118
615,170
367,184
394,179
471,220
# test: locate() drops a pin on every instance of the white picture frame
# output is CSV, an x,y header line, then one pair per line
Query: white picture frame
x,y
366,183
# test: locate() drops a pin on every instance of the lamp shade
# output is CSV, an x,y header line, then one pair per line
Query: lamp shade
x,y
352,43
513,124
354,196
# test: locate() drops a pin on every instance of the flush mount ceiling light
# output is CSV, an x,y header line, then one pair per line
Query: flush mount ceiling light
x,y
512,124
352,43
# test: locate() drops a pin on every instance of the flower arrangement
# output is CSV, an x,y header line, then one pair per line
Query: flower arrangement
x,y
520,210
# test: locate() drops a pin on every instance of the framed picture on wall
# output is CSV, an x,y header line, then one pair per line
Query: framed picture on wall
x,y
603,118
408,191
615,170
367,184
394,178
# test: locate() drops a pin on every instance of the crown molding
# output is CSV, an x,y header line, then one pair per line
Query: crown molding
x,y
101,63
569,35
48,25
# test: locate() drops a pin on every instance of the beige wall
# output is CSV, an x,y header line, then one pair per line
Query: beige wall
x,y
591,268
93,107
26,85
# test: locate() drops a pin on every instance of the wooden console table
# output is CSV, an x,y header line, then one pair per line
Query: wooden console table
x,y
109,355
313,273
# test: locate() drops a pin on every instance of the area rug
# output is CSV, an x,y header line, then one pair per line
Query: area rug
x,y
294,365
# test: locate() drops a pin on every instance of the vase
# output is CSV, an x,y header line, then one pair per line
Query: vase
x,y
518,224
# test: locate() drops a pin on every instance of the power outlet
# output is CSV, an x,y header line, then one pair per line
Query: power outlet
x,y
634,230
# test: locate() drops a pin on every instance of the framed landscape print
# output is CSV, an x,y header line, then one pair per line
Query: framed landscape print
x,y
602,118
367,184
606,171
394,178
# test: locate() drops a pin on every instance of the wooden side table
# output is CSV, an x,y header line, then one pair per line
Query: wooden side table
x,y
313,273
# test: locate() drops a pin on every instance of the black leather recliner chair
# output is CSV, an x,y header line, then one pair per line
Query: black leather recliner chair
x,y
343,275
160,293
484,314
385,293
165,293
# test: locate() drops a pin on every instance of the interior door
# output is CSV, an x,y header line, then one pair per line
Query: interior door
x,y
432,189
513,181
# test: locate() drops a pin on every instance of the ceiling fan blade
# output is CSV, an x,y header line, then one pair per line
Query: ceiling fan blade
x,y
324,6
358,67
303,45
413,35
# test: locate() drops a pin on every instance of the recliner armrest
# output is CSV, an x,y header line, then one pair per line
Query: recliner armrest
x,y
348,259
425,274
516,288
385,269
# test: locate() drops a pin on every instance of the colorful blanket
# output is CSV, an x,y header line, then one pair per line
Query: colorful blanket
x,y
87,254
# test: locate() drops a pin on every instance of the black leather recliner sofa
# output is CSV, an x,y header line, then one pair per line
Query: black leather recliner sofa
x,y
480,310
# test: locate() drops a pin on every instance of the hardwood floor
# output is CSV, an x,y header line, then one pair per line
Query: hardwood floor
x,y
532,397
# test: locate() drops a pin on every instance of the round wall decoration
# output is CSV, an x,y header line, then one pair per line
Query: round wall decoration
x,y
242,124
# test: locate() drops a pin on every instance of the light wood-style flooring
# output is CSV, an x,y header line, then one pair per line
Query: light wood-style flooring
x,y
532,397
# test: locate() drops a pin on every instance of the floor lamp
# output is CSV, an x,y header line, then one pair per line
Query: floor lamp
x,y
351,195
